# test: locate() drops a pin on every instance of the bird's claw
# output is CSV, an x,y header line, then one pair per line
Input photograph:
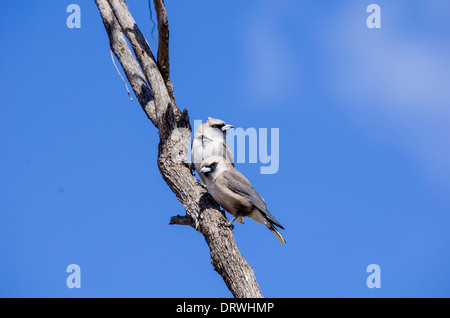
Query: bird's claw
x,y
228,225
196,225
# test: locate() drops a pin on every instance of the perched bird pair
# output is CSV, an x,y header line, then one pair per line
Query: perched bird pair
x,y
214,163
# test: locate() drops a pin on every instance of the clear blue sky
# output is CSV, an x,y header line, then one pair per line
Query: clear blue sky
x,y
364,175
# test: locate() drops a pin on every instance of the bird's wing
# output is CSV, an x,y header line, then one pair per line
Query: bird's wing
x,y
239,184
227,154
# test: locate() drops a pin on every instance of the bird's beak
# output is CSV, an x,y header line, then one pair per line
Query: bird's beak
x,y
226,127
205,169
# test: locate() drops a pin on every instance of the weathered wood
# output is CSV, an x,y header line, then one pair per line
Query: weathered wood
x,y
154,91
163,44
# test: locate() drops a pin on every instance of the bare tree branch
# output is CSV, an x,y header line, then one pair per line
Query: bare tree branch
x,y
180,220
145,58
156,98
163,44
129,64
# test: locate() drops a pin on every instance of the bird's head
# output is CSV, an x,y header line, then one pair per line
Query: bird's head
x,y
218,124
212,166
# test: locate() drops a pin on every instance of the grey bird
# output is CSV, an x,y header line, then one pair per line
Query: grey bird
x,y
209,140
235,194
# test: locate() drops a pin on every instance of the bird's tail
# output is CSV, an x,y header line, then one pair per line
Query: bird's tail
x,y
262,218
277,234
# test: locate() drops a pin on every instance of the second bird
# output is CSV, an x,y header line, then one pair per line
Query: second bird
x,y
235,194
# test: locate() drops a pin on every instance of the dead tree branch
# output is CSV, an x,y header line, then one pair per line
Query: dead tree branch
x,y
150,81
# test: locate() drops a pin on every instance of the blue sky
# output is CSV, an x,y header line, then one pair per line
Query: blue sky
x,y
364,174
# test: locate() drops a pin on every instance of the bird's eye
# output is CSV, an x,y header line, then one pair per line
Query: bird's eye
x,y
213,165
218,126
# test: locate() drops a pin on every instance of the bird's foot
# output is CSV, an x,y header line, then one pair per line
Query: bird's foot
x,y
228,225
202,185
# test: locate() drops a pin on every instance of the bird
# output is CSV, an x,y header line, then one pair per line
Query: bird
x,y
209,140
230,189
